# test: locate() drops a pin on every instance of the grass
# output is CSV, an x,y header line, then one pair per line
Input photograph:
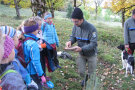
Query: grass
x,y
109,63
7,11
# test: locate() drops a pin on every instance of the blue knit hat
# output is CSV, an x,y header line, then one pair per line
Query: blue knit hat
x,y
10,31
48,15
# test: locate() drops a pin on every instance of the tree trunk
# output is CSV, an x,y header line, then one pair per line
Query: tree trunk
x,y
123,17
38,5
84,3
17,9
96,10
2,2
74,3
52,10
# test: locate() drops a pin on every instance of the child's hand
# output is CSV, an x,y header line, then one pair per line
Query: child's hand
x,y
43,79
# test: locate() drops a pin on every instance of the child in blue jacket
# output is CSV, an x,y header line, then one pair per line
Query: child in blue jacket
x,y
49,31
50,35
32,52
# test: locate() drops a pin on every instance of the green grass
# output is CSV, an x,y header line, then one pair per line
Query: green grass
x,y
7,11
109,62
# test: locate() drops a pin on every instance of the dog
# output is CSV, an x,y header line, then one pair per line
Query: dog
x,y
130,65
127,60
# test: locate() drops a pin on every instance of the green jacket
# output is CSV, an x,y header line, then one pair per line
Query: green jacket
x,y
86,37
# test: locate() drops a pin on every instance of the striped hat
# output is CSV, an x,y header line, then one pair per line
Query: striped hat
x,y
10,31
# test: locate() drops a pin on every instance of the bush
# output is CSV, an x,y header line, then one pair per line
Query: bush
x,y
69,10
86,13
110,38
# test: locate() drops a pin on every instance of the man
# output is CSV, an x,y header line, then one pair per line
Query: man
x,y
85,35
129,32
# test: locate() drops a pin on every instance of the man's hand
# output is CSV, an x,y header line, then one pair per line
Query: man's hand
x,y
68,44
78,49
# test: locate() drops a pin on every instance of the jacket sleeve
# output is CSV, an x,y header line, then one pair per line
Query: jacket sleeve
x,y
24,73
56,37
72,37
35,59
13,81
93,41
126,35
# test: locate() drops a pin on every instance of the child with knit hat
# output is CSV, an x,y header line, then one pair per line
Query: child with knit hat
x,y
50,34
11,32
32,52
7,73
49,31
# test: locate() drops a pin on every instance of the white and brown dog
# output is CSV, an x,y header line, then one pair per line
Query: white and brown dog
x,y
127,60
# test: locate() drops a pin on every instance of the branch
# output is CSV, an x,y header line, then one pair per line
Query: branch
x,y
18,2
125,8
79,5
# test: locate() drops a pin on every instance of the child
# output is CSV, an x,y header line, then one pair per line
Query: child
x,y
50,35
32,53
10,79
49,31
11,32
39,21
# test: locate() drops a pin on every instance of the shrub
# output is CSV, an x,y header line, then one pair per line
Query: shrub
x,y
86,13
69,10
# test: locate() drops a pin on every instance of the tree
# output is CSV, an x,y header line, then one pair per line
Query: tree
x,y
85,11
97,5
123,6
44,5
17,8
17,4
69,10
74,3
38,5
54,5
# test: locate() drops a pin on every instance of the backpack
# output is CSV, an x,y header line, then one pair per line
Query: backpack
x,y
20,53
